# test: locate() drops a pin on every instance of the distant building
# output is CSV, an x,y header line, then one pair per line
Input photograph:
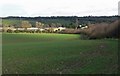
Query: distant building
x,y
56,29
32,29
41,29
21,29
1,29
61,28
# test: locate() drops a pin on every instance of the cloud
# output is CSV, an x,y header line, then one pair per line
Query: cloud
x,y
58,7
12,10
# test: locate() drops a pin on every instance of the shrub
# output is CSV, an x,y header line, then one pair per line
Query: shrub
x,y
16,31
38,31
102,30
70,31
114,30
84,37
9,31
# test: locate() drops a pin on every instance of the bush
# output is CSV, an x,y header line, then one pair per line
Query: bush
x,y
38,31
84,37
114,30
70,31
102,30
16,31
9,31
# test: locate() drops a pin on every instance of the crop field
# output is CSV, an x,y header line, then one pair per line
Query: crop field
x,y
24,53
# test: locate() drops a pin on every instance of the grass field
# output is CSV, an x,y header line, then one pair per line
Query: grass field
x,y
57,54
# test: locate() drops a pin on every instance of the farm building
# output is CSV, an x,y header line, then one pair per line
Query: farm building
x,y
32,29
21,29
1,29
56,29
59,29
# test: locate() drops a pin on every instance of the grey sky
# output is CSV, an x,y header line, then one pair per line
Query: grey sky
x,y
58,7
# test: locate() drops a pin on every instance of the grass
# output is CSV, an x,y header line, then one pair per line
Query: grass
x,y
10,22
57,53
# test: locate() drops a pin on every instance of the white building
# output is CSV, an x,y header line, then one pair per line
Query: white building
x,y
85,27
32,29
1,29
21,29
61,28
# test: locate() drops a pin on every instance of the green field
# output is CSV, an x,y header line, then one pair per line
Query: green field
x,y
57,53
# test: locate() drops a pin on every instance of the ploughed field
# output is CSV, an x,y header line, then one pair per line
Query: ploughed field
x,y
24,53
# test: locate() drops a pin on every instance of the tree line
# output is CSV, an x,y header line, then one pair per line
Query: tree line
x,y
65,21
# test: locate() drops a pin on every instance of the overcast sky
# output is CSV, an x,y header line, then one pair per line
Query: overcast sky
x,y
58,8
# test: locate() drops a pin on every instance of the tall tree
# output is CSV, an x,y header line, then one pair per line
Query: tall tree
x,y
26,24
39,25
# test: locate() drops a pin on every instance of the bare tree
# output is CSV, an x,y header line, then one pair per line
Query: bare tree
x,y
39,25
26,24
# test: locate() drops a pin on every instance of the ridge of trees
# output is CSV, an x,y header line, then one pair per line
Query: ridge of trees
x,y
66,21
